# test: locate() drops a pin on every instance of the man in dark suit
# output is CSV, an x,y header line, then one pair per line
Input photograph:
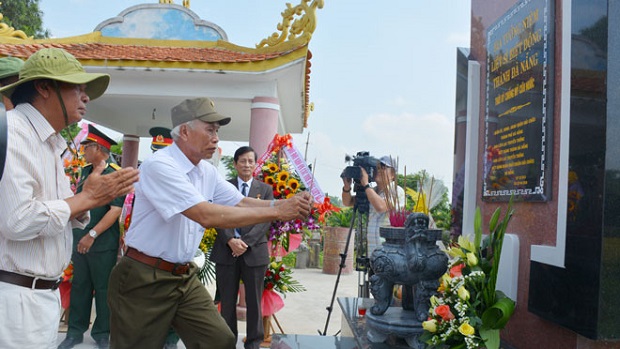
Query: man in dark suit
x,y
242,254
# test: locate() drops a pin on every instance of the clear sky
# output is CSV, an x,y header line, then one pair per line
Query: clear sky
x,y
383,73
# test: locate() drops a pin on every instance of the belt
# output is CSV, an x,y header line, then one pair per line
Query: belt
x,y
29,281
174,268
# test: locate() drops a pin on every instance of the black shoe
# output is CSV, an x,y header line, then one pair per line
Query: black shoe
x,y
70,342
103,343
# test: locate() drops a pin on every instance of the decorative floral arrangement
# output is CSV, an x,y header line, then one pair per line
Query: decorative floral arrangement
x,y
469,312
206,274
278,277
73,168
67,274
286,183
65,286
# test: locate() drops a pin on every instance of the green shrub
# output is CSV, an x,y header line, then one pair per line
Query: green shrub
x,y
341,218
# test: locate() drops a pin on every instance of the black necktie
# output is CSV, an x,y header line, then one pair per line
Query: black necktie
x,y
244,187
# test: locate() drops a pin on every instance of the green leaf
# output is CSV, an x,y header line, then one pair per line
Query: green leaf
x,y
497,316
206,274
477,228
494,219
491,338
285,242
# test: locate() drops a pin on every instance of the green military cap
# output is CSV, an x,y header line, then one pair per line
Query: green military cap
x,y
96,136
161,138
197,108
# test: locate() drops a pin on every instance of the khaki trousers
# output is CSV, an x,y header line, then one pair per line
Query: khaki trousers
x,y
144,302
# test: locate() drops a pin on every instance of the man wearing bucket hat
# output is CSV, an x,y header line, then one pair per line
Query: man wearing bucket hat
x,y
95,251
9,73
155,284
38,208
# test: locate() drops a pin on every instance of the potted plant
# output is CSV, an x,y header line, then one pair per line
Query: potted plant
x,y
340,218
337,225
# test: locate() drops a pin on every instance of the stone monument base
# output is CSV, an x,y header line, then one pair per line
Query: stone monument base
x,y
395,322
359,329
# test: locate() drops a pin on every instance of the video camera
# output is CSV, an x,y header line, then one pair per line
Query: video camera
x,y
363,160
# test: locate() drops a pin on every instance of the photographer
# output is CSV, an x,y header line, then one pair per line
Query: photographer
x,y
378,209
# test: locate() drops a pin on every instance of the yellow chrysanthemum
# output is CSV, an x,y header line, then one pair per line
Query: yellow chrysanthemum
x,y
208,239
283,176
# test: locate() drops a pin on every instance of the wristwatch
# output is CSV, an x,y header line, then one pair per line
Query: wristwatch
x,y
93,233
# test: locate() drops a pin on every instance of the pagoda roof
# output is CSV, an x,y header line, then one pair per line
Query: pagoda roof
x,y
149,76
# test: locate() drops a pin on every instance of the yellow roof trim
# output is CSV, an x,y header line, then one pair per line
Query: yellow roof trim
x,y
253,66
292,29
10,32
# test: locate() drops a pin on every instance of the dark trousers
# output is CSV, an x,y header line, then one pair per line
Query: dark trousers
x,y
227,279
145,302
90,275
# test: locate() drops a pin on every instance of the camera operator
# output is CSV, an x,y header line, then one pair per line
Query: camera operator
x,y
378,211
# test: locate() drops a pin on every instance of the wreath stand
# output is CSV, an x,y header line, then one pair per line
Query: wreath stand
x,y
269,329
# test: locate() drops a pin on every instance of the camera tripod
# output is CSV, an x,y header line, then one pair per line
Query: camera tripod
x,y
360,216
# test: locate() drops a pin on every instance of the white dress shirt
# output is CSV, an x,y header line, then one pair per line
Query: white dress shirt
x,y
170,184
35,232
240,185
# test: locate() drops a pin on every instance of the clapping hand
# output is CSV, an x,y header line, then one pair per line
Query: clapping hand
x,y
104,188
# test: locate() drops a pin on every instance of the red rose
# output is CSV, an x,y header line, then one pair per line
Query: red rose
x,y
269,285
277,277
268,273
281,268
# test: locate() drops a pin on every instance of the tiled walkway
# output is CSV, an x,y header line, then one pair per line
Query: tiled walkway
x,y
303,313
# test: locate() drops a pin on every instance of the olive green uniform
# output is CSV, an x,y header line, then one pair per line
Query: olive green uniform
x,y
92,270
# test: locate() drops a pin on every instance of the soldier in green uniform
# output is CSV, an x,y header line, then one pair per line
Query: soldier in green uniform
x,y
94,253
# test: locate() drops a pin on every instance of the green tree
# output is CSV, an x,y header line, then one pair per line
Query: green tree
x,y
24,15
69,132
227,161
